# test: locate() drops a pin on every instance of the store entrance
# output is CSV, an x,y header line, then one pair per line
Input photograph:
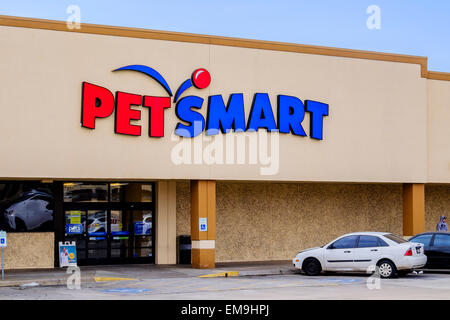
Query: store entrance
x,y
111,223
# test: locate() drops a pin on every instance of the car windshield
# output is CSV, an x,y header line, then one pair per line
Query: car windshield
x,y
395,238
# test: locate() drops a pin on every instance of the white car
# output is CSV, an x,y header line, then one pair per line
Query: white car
x,y
363,251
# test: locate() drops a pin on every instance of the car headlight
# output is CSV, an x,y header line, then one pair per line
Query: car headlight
x,y
9,212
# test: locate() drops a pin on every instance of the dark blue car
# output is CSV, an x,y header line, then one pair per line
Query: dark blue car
x,y
437,248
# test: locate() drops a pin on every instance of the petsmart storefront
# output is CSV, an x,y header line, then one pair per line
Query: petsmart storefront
x,y
124,139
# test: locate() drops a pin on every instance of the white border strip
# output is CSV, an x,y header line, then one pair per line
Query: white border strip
x,y
203,244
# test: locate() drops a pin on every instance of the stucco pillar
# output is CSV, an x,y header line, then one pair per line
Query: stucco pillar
x,y
203,206
166,223
413,208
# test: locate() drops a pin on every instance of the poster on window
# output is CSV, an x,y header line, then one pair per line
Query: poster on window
x,y
67,254
74,228
142,228
73,222
26,206
75,217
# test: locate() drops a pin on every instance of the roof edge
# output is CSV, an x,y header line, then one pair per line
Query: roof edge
x,y
57,25
434,75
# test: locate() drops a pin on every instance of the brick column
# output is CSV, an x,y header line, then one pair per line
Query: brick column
x,y
203,205
413,208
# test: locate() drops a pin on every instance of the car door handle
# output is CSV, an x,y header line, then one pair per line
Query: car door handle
x,y
374,250
347,251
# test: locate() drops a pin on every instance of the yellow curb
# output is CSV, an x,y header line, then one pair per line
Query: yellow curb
x,y
221,274
101,279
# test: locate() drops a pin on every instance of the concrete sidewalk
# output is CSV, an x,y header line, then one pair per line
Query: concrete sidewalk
x,y
92,274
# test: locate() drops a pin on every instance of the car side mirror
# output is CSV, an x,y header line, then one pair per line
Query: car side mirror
x,y
330,246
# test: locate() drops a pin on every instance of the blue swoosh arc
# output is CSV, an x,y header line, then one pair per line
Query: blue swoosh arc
x,y
185,85
150,72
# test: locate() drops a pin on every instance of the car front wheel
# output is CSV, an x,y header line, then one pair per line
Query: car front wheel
x,y
312,267
386,269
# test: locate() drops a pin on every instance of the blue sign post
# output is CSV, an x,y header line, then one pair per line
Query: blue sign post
x,y
3,244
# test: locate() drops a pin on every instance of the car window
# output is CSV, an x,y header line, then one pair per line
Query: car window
x,y
368,242
395,238
345,243
382,243
423,239
441,240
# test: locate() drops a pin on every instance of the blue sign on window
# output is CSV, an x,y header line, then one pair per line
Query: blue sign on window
x,y
74,228
97,234
119,233
142,228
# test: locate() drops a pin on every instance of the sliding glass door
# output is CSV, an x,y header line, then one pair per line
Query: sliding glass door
x,y
110,222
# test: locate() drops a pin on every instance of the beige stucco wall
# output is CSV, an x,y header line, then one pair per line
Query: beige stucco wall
x,y
438,131
273,221
165,223
183,208
375,131
30,250
437,203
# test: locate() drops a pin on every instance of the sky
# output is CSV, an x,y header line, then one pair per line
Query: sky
x,y
413,27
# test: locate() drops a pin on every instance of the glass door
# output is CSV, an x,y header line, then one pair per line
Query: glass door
x,y
131,235
89,230
75,230
142,222
97,236
120,236
110,222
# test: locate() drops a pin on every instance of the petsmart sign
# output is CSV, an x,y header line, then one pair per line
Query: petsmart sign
x,y
223,113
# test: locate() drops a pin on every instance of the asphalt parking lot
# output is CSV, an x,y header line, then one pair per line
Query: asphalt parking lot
x,y
273,287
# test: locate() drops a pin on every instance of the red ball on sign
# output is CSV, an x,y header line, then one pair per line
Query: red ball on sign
x,y
201,78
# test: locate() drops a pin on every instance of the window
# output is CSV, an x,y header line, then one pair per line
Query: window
x,y
131,192
85,192
26,206
424,239
382,243
395,238
441,240
344,243
368,242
